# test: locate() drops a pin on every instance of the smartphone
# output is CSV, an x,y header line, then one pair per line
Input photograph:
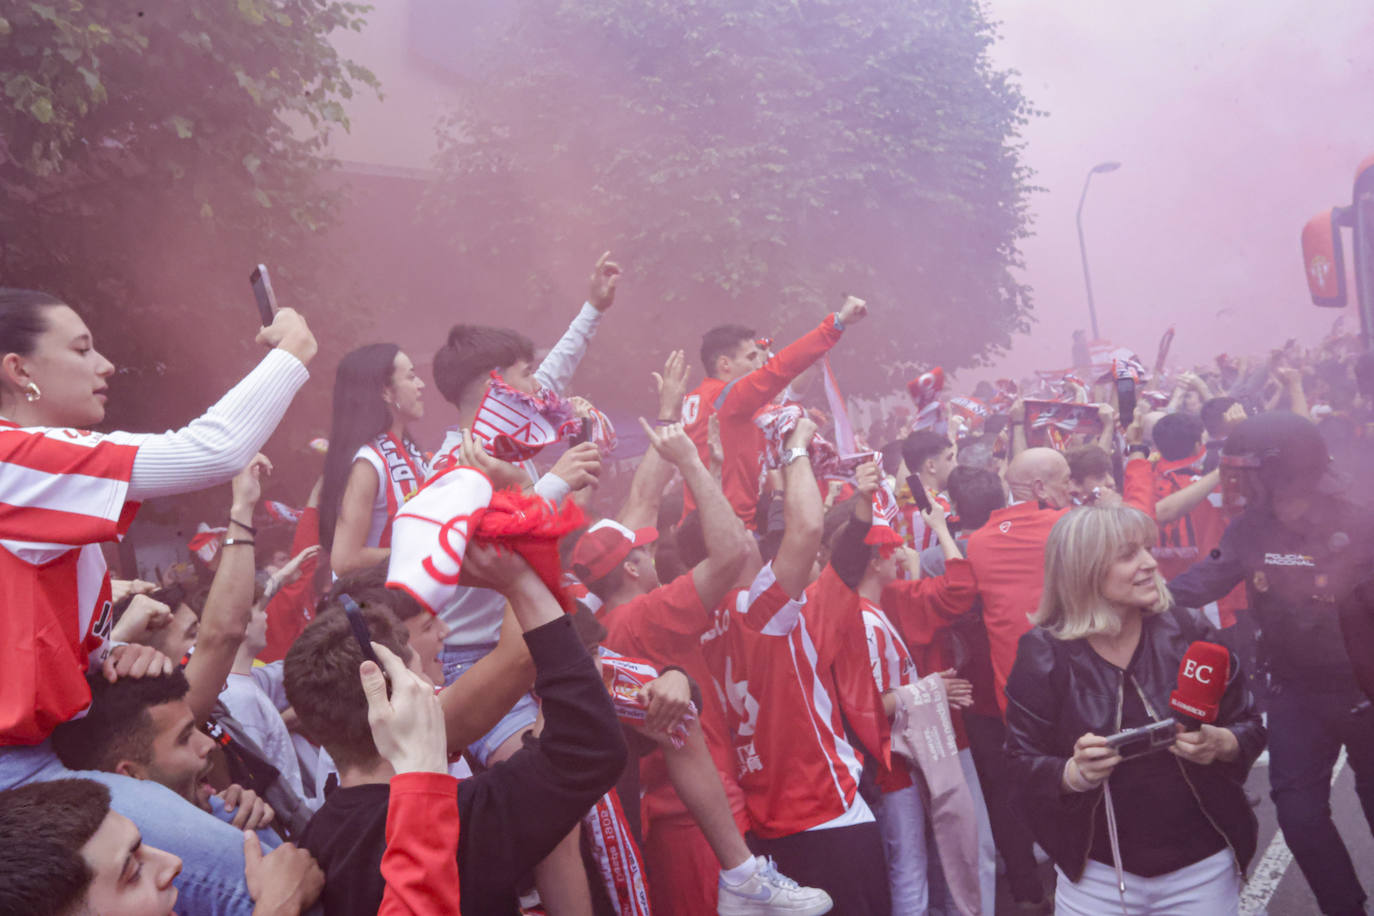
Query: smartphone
x,y
1125,399
262,291
360,630
918,493
1137,742
585,433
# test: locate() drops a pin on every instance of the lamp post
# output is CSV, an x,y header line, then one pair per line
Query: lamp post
x,y
1083,246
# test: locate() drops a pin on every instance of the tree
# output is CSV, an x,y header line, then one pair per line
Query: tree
x,y
749,160
150,154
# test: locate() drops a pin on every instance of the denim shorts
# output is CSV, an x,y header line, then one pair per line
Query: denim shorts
x,y
457,660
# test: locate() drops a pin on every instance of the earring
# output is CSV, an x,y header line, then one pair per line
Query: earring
x,y
31,392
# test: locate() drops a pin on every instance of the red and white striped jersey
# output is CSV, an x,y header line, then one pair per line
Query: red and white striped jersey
x,y
796,768
913,528
893,667
62,493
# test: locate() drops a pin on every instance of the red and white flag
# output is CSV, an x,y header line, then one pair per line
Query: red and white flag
x,y
205,543
514,426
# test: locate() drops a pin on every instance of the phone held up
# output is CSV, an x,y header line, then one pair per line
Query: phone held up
x,y
918,492
262,292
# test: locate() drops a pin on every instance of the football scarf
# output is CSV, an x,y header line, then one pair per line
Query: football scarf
x,y
405,472
777,423
925,394
923,733
625,678
515,426
883,532
1053,422
617,857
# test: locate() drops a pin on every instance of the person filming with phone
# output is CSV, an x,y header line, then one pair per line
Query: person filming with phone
x,y
1154,820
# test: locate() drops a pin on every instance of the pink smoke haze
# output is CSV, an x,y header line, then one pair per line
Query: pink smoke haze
x,y
1234,122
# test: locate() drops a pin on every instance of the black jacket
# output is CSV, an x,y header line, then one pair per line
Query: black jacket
x,y
1059,690
1301,581
510,816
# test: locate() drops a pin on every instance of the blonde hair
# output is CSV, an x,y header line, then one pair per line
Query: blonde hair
x,y
1081,550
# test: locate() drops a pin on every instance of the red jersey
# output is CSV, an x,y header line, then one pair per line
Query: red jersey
x,y
736,403
892,667
290,609
665,627
795,765
1008,559
62,493
913,528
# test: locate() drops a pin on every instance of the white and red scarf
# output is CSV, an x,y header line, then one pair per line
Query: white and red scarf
x,y
617,857
405,472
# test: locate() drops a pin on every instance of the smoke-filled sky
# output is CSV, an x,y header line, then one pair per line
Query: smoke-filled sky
x,y
1234,120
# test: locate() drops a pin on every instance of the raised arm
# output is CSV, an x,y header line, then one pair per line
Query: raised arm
x,y
558,367
214,447
654,473
230,602
721,529
747,394
803,515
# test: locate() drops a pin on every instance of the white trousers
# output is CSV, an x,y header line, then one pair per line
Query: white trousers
x,y
1207,888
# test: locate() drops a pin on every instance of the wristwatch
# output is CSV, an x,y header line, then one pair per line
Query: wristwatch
x,y
792,454
1138,448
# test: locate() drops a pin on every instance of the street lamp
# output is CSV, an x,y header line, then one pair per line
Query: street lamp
x,y
1083,246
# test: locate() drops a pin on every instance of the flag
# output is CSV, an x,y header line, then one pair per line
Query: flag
x,y
1053,422
514,426
205,543
1165,343
844,430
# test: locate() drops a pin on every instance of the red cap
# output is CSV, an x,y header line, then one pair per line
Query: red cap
x,y
1202,677
605,545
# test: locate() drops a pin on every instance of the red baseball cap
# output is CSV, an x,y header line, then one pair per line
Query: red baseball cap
x,y
605,545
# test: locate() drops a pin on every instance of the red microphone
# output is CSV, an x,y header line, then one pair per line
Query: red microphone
x,y
1202,677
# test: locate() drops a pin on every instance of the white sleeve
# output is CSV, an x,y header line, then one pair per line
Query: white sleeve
x,y
553,488
557,369
217,445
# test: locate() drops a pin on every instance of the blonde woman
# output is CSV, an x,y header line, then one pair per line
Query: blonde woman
x,y
1169,832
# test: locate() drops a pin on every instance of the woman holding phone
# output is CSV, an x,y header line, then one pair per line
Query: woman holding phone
x,y
64,491
1172,827
373,465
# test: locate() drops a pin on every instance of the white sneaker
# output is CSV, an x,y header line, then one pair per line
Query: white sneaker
x,y
769,892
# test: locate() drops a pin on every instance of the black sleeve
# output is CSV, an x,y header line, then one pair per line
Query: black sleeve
x,y
1212,577
514,814
850,555
1035,751
1357,625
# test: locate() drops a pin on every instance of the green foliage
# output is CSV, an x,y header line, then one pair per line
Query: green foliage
x,y
150,154
749,160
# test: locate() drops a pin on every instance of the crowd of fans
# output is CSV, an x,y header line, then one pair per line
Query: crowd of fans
x,y
791,670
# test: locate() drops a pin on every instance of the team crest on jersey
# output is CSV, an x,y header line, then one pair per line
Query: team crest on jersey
x,y
1004,527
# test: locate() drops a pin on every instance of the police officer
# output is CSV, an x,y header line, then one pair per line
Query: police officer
x,y
1302,550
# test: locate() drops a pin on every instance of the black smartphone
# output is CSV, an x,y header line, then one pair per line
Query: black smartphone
x,y
918,493
262,292
360,630
1125,400
1136,742
585,433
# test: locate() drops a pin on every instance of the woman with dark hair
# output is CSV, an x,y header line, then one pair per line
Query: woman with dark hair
x,y
64,491
1167,832
372,464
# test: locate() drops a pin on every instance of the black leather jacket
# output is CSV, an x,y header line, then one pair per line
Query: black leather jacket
x,y
1059,690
